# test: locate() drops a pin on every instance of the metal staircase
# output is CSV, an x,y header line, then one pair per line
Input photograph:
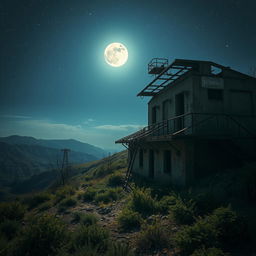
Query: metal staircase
x,y
133,152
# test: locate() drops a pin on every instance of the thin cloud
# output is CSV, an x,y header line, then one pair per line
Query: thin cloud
x,y
15,116
123,127
89,120
50,125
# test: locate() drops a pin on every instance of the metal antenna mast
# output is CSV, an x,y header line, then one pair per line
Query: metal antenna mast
x,y
65,165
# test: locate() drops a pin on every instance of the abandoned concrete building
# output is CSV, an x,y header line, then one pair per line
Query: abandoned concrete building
x,y
201,119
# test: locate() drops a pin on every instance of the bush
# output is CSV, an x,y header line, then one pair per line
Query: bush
x,y
89,195
153,237
85,251
92,235
38,199
221,228
115,180
183,212
12,211
194,237
109,195
85,218
9,228
128,220
66,203
231,229
166,202
209,252
43,236
119,249
45,206
64,192
142,202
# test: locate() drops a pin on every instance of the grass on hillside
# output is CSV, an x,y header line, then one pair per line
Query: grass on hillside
x,y
67,220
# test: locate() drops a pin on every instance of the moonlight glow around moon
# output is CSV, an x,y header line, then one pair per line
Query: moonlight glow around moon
x,y
116,54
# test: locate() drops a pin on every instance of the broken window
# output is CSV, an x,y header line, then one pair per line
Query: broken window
x,y
167,161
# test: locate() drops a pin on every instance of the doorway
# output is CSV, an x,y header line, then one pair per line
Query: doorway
x,y
179,110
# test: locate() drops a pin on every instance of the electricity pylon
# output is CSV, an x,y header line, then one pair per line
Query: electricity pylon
x,y
65,165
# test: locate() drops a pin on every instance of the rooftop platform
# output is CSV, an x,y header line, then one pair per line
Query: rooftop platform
x,y
167,74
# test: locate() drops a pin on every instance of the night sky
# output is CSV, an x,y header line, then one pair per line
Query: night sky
x,y
55,82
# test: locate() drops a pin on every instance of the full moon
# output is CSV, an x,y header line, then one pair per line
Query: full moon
x,y
116,54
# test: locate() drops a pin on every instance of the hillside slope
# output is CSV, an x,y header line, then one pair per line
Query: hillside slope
x,y
74,145
96,217
19,162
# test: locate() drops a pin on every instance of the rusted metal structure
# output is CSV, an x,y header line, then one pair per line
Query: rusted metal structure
x,y
201,118
65,165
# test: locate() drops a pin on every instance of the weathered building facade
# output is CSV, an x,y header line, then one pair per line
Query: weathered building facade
x,y
201,118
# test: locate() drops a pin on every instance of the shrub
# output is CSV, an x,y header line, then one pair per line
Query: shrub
x,y
92,235
142,202
43,236
128,220
66,203
153,237
165,203
85,251
119,249
109,195
115,180
221,228
231,228
194,237
183,212
89,195
89,219
209,252
12,211
45,206
9,228
63,192
38,199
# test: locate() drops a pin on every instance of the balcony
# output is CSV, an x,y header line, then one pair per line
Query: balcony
x,y
197,125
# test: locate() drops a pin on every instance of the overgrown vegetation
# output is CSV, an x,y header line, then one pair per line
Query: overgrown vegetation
x,y
220,229
153,237
85,218
194,222
183,212
115,180
91,236
12,211
128,220
43,236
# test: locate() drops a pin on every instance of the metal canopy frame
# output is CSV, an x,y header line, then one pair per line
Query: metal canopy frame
x,y
170,74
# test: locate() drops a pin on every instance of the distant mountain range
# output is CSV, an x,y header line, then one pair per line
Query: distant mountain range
x,y
74,145
23,157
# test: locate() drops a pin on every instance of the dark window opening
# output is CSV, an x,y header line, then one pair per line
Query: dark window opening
x,y
167,161
141,158
215,94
